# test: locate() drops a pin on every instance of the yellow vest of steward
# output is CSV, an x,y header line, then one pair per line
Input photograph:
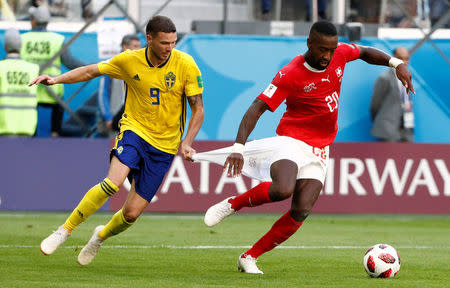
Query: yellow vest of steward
x,y
39,47
18,102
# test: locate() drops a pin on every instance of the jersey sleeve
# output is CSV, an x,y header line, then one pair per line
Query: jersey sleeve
x,y
112,66
276,92
193,81
350,51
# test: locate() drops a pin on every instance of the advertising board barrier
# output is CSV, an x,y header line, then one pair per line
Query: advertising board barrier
x,y
362,178
54,174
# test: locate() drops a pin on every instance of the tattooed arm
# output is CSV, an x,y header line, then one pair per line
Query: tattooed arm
x,y
195,122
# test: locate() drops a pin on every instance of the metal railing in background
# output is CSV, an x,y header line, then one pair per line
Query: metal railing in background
x,y
426,36
339,14
440,23
61,102
64,103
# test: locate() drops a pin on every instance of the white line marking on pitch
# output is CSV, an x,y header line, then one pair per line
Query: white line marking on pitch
x,y
150,216
222,247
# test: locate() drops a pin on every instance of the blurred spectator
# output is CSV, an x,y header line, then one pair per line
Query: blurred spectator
x,y
423,13
18,103
321,10
111,96
36,3
58,8
266,6
39,46
87,11
396,16
438,8
391,107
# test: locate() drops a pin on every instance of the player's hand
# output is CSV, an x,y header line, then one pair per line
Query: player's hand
x,y
235,163
404,76
43,79
187,151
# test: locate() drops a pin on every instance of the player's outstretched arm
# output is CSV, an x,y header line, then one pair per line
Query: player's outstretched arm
x,y
80,74
378,57
195,122
235,161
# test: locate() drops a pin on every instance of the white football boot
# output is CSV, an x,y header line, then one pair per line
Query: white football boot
x,y
52,242
218,212
247,264
89,251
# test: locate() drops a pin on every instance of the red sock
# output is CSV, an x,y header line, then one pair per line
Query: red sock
x,y
254,197
280,232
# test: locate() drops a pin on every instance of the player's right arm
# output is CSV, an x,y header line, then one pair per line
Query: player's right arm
x,y
235,161
269,99
376,56
80,74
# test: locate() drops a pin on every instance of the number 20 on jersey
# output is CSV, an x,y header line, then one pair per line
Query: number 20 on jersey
x,y
332,101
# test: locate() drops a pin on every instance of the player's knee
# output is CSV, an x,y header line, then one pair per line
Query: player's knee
x,y
282,191
299,214
130,216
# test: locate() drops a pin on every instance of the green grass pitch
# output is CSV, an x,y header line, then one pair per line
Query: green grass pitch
x,y
173,250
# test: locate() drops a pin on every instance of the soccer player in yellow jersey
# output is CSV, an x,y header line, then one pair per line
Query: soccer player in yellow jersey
x,y
158,80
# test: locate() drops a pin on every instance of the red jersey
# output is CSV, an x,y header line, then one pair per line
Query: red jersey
x,y
312,97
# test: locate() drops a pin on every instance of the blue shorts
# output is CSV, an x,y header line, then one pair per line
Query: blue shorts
x,y
148,165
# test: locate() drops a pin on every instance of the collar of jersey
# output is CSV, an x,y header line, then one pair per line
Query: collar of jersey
x,y
150,63
310,68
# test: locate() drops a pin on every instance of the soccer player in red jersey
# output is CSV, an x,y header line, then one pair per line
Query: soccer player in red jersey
x,y
297,158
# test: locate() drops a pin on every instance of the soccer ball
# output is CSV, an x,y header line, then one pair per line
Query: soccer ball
x,y
382,261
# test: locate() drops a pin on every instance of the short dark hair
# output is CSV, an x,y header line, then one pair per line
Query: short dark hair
x,y
323,27
126,40
160,24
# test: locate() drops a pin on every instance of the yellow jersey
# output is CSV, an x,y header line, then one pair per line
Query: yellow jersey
x,y
155,97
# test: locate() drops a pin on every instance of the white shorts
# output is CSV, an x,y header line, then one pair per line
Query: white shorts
x,y
259,155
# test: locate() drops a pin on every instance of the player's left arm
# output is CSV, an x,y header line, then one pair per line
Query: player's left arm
x,y
195,122
375,56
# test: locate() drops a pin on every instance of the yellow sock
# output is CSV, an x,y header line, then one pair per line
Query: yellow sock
x,y
91,202
116,225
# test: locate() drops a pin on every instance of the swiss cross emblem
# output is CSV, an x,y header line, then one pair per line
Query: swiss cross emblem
x,y
339,72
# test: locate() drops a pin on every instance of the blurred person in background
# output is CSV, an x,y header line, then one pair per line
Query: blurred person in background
x,y
391,108
321,10
159,80
423,13
39,46
18,103
111,95
396,17
266,7
87,10
438,8
58,8
36,3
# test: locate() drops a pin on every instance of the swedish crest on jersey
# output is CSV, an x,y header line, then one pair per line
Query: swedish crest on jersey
x,y
170,79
